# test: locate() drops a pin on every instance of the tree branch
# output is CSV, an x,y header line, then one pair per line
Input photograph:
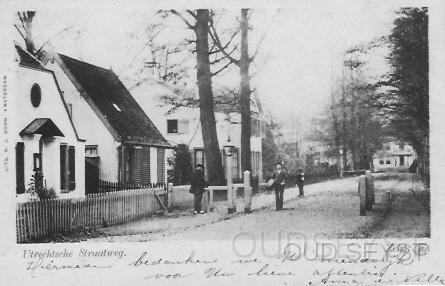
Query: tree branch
x,y
20,32
187,23
263,36
229,53
252,58
21,20
266,60
222,68
191,13
52,37
217,41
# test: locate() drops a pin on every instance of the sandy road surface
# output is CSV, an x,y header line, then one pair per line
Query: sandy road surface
x,y
329,210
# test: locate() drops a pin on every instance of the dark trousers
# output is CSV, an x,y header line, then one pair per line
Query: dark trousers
x,y
300,187
198,199
279,192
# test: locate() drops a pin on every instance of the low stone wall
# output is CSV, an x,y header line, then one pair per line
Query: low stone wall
x,y
181,198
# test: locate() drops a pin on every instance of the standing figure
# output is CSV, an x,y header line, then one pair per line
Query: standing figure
x,y
278,185
300,182
198,184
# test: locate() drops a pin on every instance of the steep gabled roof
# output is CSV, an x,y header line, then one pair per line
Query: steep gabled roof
x,y
114,101
43,126
25,58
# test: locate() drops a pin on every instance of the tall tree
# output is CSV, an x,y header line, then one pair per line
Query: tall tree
x,y
212,153
243,62
406,99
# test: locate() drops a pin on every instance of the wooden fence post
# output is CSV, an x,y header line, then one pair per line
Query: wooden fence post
x,y
247,192
369,190
169,196
231,192
362,194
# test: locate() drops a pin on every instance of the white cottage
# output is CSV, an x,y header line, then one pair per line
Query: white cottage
x,y
122,143
45,138
394,155
182,126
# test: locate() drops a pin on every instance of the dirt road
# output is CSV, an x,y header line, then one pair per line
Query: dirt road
x,y
329,210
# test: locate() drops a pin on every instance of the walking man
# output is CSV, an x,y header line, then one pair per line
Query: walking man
x,y
300,182
198,184
278,185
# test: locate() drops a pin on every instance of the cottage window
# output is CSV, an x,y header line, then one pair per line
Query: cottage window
x,y
67,167
63,167
172,126
138,162
72,167
388,162
381,162
20,167
36,95
183,126
91,151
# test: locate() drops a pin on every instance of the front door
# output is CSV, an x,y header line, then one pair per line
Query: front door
x,y
402,160
91,175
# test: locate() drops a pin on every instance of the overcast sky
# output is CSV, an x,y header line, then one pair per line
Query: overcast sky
x,y
304,43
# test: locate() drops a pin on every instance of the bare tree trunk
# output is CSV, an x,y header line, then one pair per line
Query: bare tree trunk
x,y
245,94
344,127
27,22
337,135
207,115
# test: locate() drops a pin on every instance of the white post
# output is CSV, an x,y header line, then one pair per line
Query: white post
x,y
370,189
341,166
169,196
231,197
247,192
362,194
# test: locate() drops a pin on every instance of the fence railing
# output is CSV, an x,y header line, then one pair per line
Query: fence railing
x,y
40,219
107,187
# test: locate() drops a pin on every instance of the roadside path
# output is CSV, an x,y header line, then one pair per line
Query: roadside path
x,y
329,210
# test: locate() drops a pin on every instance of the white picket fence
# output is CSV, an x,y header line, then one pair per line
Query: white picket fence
x,y
48,217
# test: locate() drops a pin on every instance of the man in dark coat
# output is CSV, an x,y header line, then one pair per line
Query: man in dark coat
x,y
198,184
300,182
278,184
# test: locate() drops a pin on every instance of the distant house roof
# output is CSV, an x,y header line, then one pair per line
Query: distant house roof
x,y
27,58
114,101
43,126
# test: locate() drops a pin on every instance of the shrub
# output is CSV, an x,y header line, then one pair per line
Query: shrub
x,y
181,164
38,189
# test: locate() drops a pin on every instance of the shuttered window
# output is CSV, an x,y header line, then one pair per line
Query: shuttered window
x,y
145,165
20,167
72,167
161,165
137,165
63,167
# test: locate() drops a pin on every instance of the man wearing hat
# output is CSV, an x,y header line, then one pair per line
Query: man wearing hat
x,y
300,182
198,184
278,184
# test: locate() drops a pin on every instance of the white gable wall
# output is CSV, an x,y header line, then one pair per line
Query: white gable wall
x,y
90,127
51,106
147,95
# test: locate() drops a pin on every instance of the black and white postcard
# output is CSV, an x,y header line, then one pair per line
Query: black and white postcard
x,y
222,142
